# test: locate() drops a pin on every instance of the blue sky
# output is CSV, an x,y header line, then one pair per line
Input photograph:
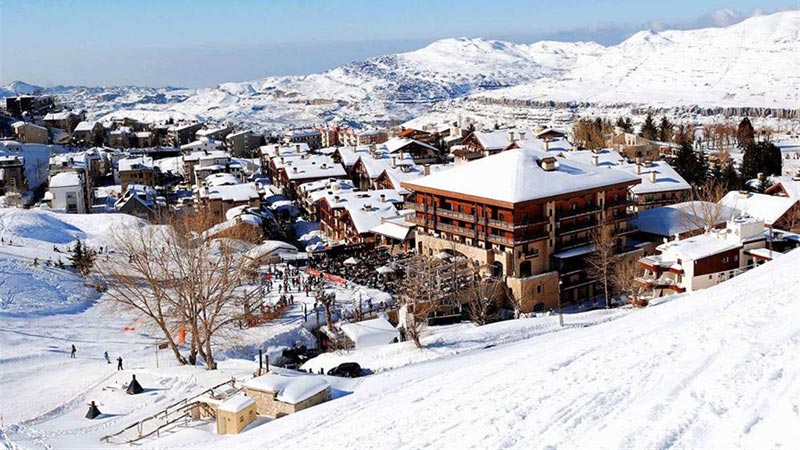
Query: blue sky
x,y
201,42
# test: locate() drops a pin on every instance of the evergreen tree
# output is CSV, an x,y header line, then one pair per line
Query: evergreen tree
x,y
772,158
686,163
665,130
729,177
752,161
649,130
82,258
745,134
701,170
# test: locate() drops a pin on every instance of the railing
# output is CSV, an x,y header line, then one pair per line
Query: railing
x,y
572,243
454,214
577,227
577,212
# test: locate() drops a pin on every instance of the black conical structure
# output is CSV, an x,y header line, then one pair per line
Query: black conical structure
x,y
134,387
93,411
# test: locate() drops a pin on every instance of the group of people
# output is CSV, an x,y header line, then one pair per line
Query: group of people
x,y
364,272
73,352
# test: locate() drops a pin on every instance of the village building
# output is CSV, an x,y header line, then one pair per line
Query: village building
x,y
214,133
273,155
420,152
120,138
634,146
277,395
369,333
202,144
64,120
426,136
329,136
68,192
526,217
199,165
141,201
702,261
776,211
90,132
785,186
395,232
349,217
311,192
243,143
369,166
138,170
679,221
12,175
144,139
220,194
31,106
30,133
183,134
309,136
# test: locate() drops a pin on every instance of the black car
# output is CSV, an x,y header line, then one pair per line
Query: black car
x,y
348,369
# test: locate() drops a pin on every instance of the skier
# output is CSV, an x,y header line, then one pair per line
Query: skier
x,y
119,363
72,352
105,355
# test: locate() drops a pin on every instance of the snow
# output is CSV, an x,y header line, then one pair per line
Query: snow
x,y
234,192
269,248
678,218
371,332
768,208
515,176
135,163
290,389
65,179
236,403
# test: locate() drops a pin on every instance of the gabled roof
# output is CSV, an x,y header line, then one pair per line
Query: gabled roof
x,y
768,208
515,176
667,179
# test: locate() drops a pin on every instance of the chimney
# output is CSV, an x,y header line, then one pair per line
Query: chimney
x,y
336,198
383,198
510,135
283,160
595,160
394,162
277,149
638,169
521,135
297,148
426,169
546,145
652,176
294,169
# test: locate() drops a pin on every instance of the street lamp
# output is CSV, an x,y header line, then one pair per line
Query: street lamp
x,y
560,314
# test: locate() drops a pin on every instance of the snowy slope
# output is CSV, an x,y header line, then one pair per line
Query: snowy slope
x,y
751,63
715,369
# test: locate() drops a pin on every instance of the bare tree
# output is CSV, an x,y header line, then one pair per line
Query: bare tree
x,y
482,299
601,261
623,278
705,212
181,276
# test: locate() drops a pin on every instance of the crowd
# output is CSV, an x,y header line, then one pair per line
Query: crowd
x,y
364,270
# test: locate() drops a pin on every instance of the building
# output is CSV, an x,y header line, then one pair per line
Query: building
x,y
182,134
220,195
702,261
30,133
308,136
139,170
30,106
785,186
12,175
214,133
681,219
369,166
634,146
202,144
234,414
199,165
420,152
120,138
280,394
524,216
369,333
89,132
141,201
144,139
67,191
776,211
416,134
243,143
64,120
310,193
350,216
661,185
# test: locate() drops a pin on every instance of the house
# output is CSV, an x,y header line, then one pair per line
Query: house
x,y
219,198
348,156
144,139
309,136
31,106
661,185
371,137
369,333
141,201
183,134
214,133
30,133
90,132
785,186
683,220
64,120
68,192
243,143
269,252
634,146
205,163
702,261
351,216
202,144
311,192
526,217
776,211
394,231
235,413
12,174
120,138
420,152
291,167
425,136
369,166
280,394
138,170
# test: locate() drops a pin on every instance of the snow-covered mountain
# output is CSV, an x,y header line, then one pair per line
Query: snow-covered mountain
x,y
752,63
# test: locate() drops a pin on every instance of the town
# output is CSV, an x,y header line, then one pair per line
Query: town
x,y
223,275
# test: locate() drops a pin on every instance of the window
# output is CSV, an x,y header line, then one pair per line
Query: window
x,y
573,206
241,419
709,277
539,289
725,260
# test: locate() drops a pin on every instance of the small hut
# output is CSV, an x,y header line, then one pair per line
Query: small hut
x,y
134,387
235,413
371,332
277,395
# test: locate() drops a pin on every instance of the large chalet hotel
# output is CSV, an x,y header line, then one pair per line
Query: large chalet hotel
x,y
527,216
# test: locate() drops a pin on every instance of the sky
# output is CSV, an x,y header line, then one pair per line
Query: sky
x,y
201,43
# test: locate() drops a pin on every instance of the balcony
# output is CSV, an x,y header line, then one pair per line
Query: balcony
x,y
577,227
500,224
415,206
560,245
577,212
449,213
660,283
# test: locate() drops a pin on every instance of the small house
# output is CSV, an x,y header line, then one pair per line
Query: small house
x,y
234,414
371,332
277,395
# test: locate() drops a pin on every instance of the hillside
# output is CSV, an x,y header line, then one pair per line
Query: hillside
x,y
748,64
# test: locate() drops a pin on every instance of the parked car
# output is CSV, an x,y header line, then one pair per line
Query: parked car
x,y
348,369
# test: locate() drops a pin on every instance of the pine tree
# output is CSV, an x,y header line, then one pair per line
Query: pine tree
x,y
77,257
686,163
665,130
745,134
729,177
752,161
701,170
624,123
649,130
772,159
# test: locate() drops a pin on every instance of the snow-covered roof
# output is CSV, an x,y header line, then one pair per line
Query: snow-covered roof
x,y
220,179
493,140
143,134
85,125
666,178
517,175
202,143
395,228
135,163
312,166
555,145
236,192
379,161
63,115
396,144
236,403
791,185
289,388
697,247
768,208
371,332
269,248
350,155
65,179
679,218
365,208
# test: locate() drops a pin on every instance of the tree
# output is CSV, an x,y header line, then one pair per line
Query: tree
x,y
761,158
419,295
481,300
589,134
179,276
649,130
625,124
687,163
665,130
727,176
623,279
600,262
745,134
705,211
82,258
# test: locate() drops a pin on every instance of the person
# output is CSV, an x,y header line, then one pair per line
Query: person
x,y
72,352
105,355
119,363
